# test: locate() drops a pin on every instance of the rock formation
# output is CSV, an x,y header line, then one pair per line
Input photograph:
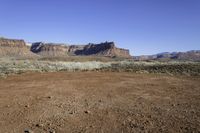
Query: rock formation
x,y
18,48
104,49
14,48
49,49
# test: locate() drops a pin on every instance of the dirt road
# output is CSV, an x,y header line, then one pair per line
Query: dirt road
x,y
99,102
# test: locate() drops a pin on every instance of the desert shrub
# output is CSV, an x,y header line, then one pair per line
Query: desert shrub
x,y
185,68
173,67
73,66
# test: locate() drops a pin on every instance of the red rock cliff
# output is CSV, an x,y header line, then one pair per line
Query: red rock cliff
x,y
104,49
14,48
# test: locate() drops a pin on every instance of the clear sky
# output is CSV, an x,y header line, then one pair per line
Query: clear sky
x,y
143,26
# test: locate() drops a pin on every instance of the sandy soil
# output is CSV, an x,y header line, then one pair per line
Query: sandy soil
x,y
99,102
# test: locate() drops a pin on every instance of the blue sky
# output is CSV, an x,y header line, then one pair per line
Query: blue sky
x,y
143,26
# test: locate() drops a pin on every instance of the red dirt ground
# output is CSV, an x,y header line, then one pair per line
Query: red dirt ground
x,y
102,102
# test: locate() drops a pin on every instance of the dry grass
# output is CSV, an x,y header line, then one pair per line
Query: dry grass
x,y
12,66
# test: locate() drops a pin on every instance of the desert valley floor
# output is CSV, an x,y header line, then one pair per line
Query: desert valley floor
x,y
62,102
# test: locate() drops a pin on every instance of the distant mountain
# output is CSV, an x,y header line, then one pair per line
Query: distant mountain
x,y
193,55
190,55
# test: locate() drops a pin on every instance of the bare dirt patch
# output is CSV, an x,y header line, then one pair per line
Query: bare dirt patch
x,y
99,102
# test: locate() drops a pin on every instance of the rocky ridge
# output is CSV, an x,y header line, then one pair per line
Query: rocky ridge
x,y
103,49
19,48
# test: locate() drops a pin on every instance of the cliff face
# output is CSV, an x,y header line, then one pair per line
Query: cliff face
x,y
122,52
49,49
14,48
12,43
96,49
103,49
